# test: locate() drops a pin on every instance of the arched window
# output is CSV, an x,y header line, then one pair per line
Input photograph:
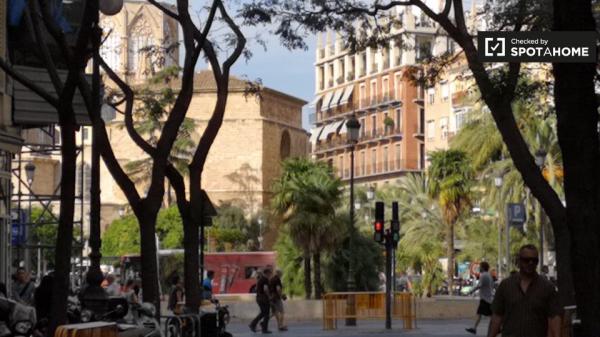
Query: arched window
x,y
111,48
285,146
140,37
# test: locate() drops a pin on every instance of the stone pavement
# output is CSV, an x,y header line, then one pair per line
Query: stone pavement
x,y
425,328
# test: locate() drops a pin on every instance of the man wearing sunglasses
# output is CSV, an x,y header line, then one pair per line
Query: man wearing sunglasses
x,y
526,304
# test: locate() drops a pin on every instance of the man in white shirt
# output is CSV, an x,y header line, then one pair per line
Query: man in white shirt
x,y
486,289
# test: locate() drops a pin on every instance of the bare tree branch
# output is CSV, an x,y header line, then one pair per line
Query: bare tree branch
x,y
108,155
164,9
128,113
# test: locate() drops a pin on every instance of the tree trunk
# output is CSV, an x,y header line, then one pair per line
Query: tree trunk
x,y
317,266
149,255
450,254
577,122
64,238
307,275
191,267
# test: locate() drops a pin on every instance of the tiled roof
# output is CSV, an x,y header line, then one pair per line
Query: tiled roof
x,y
204,80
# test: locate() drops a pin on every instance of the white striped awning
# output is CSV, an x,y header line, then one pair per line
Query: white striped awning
x,y
336,98
326,100
347,94
327,130
343,128
314,134
339,125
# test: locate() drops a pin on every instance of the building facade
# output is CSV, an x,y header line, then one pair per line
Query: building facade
x,y
256,135
10,144
378,86
447,104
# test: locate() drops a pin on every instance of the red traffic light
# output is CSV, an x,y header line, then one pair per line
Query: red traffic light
x,y
378,226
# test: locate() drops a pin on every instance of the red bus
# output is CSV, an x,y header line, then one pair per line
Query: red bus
x,y
234,271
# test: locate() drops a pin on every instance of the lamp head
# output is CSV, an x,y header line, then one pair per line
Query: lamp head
x,y
110,7
353,126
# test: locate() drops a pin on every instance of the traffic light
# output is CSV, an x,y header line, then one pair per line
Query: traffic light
x,y
379,222
395,223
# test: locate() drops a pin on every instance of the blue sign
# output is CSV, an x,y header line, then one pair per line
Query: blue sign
x,y
19,228
516,213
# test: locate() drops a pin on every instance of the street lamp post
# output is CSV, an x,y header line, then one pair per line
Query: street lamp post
x,y
353,127
498,183
540,159
94,297
29,174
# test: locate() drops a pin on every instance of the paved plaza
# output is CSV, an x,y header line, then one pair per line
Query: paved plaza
x,y
426,328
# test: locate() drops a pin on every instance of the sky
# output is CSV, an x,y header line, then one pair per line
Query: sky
x,y
291,72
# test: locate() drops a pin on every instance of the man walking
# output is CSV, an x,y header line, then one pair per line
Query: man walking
x,y
485,287
263,298
277,298
526,305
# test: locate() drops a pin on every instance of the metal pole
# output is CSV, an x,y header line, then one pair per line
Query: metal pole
x,y
388,278
500,274
508,262
350,280
94,296
202,239
28,230
541,235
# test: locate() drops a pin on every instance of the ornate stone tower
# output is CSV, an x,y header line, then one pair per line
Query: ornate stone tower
x,y
139,40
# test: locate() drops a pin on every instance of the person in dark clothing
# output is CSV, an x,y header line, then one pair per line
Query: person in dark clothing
x,y
176,295
3,291
526,304
277,298
263,298
43,297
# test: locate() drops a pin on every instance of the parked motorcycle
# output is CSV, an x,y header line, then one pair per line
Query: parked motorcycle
x,y
16,319
214,324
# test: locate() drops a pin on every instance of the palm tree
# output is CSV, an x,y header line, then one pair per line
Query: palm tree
x,y
306,197
449,181
422,231
484,147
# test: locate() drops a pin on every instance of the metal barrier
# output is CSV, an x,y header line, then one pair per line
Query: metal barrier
x,y
367,305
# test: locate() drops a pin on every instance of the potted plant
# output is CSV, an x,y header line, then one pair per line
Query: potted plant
x,y
389,123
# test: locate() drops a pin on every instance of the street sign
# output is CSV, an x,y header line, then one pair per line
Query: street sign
x,y
18,227
516,213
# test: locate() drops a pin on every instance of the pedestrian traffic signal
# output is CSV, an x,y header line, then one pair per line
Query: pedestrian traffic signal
x,y
379,221
395,223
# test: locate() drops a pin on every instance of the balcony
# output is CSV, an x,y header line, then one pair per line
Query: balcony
x,y
374,169
381,102
331,145
380,133
330,83
340,80
350,76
